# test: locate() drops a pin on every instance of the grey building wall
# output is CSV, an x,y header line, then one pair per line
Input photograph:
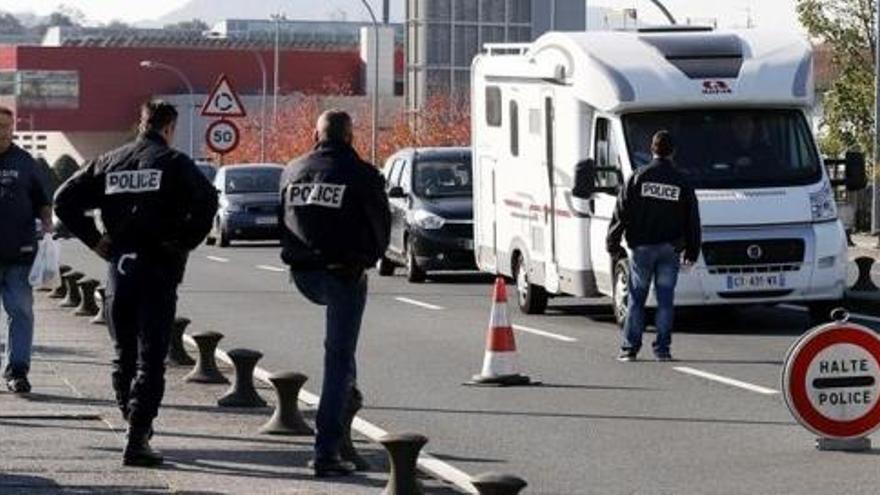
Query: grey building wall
x,y
443,36
558,15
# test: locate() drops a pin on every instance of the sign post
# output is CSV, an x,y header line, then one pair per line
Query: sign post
x,y
223,136
831,384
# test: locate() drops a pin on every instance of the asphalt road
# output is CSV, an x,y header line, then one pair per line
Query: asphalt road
x,y
595,426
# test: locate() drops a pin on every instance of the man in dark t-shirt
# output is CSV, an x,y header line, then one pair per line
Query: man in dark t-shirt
x,y
23,199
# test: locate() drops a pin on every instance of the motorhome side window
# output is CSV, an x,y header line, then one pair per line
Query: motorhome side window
x,y
514,128
493,106
607,156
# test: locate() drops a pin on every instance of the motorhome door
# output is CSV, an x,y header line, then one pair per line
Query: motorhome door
x,y
551,265
606,154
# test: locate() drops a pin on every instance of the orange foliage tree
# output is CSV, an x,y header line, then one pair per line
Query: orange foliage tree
x,y
441,122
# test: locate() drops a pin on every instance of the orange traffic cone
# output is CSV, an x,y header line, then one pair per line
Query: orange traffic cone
x,y
499,362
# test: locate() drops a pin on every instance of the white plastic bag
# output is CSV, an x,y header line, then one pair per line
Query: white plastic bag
x,y
45,270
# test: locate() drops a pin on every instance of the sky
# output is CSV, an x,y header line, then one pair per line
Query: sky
x,y
766,13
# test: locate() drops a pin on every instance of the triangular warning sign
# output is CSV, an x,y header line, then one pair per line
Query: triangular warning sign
x,y
223,101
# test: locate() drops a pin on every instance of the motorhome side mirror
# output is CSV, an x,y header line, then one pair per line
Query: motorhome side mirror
x,y
856,178
584,179
396,192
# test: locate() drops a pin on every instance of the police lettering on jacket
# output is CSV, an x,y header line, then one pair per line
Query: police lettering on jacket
x,y
665,192
326,195
133,181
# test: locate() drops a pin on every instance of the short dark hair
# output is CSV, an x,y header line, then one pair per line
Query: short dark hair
x,y
662,144
334,125
157,115
6,111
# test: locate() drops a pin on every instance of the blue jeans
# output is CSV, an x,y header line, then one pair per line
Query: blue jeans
x,y
18,301
659,262
345,299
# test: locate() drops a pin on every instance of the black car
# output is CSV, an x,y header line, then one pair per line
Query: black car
x,y
431,196
249,202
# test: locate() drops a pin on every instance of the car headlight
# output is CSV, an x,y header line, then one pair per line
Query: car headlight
x,y
427,220
229,207
822,204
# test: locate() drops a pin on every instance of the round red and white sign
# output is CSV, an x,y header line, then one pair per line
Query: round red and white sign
x,y
831,381
222,136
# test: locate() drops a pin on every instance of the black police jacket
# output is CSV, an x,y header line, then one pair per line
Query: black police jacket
x,y
657,206
334,210
153,201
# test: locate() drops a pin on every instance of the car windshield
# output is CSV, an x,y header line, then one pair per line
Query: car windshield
x,y
443,178
726,149
253,180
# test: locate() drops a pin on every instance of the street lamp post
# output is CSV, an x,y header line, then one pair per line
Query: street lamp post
x,y
375,102
665,11
277,18
263,71
875,182
152,64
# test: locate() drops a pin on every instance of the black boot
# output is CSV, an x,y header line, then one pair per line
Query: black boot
x,y
125,415
138,451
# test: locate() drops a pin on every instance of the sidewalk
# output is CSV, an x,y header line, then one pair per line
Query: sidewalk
x,y
865,245
67,436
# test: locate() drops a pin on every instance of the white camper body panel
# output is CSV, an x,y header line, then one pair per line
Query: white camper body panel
x,y
536,111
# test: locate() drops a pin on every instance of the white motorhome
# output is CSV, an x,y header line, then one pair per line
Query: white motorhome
x,y
580,108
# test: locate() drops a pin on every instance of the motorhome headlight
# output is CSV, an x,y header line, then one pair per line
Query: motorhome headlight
x,y
822,204
428,220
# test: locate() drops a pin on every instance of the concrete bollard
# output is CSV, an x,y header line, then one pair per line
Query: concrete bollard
x,y
864,282
177,351
87,305
242,393
101,301
347,450
205,370
60,290
498,484
287,418
403,454
71,291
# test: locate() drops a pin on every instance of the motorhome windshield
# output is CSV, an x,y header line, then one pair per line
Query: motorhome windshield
x,y
726,149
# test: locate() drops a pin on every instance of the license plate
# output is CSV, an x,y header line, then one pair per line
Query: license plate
x,y
755,281
266,221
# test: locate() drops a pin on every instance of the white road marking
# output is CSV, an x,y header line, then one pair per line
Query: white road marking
x,y
427,463
270,268
542,333
218,259
727,381
857,316
420,304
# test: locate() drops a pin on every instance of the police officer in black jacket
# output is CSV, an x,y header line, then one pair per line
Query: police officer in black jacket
x,y
156,207
336,225
658,214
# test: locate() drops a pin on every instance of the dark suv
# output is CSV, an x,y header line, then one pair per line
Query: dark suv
x,y
431,196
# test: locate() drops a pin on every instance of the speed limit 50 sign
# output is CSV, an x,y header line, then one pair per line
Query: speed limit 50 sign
x,y
222,137
831,381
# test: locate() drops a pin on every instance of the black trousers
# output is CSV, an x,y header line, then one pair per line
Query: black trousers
x,y
141,304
